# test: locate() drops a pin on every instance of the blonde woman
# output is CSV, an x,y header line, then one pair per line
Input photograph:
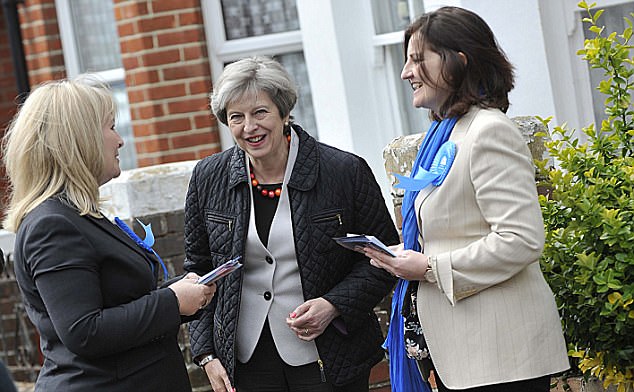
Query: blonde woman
x,y
89,289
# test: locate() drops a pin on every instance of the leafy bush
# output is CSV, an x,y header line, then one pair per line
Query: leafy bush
x,y
588,213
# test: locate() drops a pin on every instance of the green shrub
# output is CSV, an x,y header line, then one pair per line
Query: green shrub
x,y
588,214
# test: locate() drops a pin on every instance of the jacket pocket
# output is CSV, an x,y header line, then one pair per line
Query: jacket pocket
x,y
324,226
220,228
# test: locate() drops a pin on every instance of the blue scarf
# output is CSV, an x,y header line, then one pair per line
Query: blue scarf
x,y
404,373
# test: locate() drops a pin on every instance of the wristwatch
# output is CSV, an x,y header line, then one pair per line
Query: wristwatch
x,y
429,273
205,360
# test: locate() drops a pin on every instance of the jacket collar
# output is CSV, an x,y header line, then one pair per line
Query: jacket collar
x,y
305,171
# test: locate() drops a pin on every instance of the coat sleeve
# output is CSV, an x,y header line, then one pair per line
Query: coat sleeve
x,y
65,268
364,286
198,260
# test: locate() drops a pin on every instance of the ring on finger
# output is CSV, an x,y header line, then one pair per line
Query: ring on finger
x,y
306,332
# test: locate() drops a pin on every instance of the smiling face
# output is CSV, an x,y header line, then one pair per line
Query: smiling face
x,y
258,128
430,89
112,142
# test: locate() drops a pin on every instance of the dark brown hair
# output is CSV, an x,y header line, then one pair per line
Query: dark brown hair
x,y
486,78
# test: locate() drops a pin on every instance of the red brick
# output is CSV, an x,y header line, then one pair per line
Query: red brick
x,y
171,91
152,145
160,57
163,6
142,130
190,18
205,152
148,161
205,121
171,125
136,95
187,106
194,52
190,140
149,111
199,87
136,44
182,36
126,28
157,23
141,77
130,61
178,156
186,71
129,11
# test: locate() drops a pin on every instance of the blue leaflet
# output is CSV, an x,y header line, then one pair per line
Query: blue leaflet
x,y
146,243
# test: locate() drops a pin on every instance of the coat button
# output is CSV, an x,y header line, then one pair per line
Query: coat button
x,y
269,259
267,295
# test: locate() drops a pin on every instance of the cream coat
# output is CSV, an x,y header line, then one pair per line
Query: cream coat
x,y
490,317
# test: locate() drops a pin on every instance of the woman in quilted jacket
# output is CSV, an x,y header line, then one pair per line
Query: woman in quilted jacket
x,y
299,315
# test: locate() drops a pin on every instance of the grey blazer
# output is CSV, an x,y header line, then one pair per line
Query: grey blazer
x,y
488,314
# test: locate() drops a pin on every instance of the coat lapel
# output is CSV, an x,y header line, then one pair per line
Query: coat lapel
x,y
120,236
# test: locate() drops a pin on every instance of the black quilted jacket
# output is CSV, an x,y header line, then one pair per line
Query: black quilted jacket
x,y
331,193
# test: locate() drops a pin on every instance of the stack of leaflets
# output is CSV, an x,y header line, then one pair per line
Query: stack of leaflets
x,y
222,270
357,242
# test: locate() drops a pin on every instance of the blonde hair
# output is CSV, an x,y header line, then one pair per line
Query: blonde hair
x,y
54,145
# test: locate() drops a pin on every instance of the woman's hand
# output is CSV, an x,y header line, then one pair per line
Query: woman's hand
x,y
191,295
408,264
217,375
311,318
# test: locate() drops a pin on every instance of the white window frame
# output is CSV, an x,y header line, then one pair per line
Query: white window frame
x,y
222,50
73,66
70,50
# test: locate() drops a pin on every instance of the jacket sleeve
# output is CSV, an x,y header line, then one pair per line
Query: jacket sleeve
x,y
365,286
65,268
198,260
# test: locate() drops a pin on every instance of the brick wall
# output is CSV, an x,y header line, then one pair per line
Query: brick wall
x,y
168,79
41,40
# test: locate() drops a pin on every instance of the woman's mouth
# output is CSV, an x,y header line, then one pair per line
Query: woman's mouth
x,y
255,139
416,85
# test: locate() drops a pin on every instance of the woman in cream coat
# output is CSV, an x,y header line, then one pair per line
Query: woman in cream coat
x,y
489,320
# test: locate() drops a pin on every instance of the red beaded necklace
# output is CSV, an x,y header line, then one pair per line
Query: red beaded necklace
x,y
256,184
264,192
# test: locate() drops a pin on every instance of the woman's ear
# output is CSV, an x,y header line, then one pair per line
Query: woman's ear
x,y
463,57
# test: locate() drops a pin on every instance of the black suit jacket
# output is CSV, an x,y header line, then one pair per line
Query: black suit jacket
x,y
91,293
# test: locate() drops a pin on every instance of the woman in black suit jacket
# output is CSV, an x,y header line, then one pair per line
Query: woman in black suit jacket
x,y
89,288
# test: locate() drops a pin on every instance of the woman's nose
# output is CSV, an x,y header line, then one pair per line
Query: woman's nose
x,y
406,73
250,124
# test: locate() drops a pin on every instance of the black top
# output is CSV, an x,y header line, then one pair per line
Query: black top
x,y
265,208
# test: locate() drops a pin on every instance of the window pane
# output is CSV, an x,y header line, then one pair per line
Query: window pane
x,y
394,15
251,18
96,35
613,20
127,154
414,120
303,112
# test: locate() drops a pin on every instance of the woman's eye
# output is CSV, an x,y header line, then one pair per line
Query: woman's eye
x,y
235,118
260,114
